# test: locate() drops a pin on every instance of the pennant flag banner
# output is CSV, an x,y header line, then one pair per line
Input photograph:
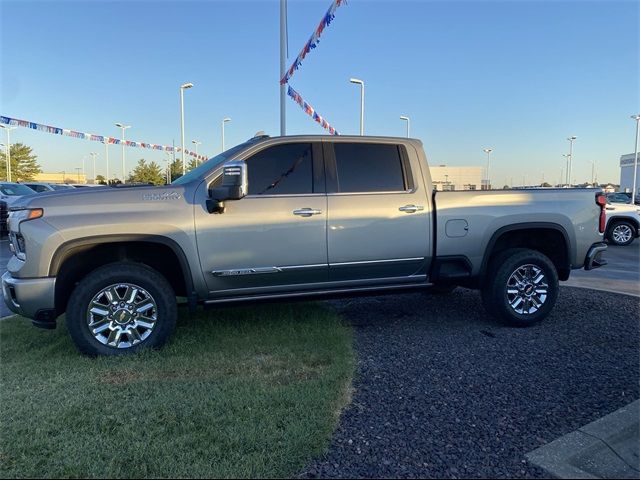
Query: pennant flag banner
x,y
96,138
313,41
309,110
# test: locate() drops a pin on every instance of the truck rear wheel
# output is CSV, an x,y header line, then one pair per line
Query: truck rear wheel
x,y
120,308
521,287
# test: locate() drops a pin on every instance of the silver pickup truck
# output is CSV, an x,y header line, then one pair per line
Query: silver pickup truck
x,y
283,218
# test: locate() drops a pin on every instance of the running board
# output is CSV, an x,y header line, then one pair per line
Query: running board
x,y
307,295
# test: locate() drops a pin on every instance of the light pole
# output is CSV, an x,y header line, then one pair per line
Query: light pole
x,y
123,128
6,173
225,120
93,156
283,66
64,174
402,117
635,162
566,174
183,87
571,139
361,83
8,145
168,173
488,152
106,156
196,143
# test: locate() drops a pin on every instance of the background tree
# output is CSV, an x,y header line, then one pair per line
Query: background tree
x,y
193,163
545,184
24,165
176,169
147,173
101,180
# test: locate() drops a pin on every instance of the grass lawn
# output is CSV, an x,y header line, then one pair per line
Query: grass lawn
x,y
237,392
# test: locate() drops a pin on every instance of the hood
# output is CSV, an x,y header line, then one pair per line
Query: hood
x,y
104,199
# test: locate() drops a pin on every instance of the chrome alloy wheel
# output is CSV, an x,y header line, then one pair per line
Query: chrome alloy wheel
x,y
122,315
622,233
527,289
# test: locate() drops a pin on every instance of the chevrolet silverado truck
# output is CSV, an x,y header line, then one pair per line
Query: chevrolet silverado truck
x,y
285,218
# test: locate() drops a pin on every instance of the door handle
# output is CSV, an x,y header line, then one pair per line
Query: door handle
x,y
307,212
411,208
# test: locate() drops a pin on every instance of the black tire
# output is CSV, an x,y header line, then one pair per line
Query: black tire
x,y
621,228
504,271
152,289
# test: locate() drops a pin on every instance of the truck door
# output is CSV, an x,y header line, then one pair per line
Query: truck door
x,y
276,235
379,217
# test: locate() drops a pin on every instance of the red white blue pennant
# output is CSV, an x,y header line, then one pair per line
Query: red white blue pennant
x,y
313,41
96,138
309,110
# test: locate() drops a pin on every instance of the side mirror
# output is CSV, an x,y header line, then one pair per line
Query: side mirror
x,y
235,185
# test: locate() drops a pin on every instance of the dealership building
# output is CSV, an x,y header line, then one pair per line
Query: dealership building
x,y
626,172
447,178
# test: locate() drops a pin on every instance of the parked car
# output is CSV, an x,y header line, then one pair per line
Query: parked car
x,y
290,217
619,197
47,187
623,223
9,193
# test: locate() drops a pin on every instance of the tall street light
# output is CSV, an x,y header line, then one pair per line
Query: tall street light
x,y
106,156
566,174
634,192
93,156
123,128
225,120
8,146
183,87
571,139
361,83
488,152
402,117
196,143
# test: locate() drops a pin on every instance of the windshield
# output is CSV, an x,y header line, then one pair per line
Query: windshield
x,y
15,189
61,187
213,163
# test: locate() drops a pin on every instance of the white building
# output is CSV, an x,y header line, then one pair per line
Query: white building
x,y
626,172
457,178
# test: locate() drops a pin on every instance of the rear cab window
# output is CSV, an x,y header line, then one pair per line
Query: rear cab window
x,y
370,167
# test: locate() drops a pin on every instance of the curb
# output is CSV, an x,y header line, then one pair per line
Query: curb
x,y
608,290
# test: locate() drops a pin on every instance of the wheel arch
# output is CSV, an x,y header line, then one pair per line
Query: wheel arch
x,y
539,236
76,258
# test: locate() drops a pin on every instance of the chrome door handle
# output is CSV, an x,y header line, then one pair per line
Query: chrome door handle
x,y
307,212
411,208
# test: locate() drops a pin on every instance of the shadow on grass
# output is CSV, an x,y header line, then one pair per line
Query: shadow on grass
x,y
237,392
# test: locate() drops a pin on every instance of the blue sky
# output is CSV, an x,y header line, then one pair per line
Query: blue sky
x,y
517,76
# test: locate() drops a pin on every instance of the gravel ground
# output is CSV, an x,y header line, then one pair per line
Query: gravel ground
x,y
443,390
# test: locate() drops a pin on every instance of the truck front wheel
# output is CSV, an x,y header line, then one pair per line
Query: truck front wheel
x,y
120,308
521,287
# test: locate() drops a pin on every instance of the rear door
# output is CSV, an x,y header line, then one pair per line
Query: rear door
x,y
378,225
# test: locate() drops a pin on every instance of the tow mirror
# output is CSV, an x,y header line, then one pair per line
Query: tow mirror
x,y
235,185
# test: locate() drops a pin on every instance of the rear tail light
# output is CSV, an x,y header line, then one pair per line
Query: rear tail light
x,y
601,200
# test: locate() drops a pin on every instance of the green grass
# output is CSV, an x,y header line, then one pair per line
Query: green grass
x,y
237,392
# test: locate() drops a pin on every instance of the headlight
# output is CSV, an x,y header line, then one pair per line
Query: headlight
x,y
18,216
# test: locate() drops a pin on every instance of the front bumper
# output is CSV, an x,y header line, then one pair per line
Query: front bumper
x,y
594,256
31,297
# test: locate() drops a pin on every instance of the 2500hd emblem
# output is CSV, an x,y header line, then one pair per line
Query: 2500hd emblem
x,y
162,196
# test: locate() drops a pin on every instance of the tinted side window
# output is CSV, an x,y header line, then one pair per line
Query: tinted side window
x,y
365,167
281,170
